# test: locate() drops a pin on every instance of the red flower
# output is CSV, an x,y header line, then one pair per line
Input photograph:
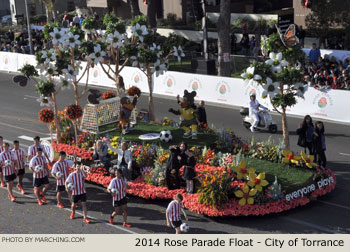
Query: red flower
x,y
46,115
74,112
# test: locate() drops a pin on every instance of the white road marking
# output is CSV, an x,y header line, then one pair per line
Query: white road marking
x,y
30,96
20,144
77,212
334,204
344,154
27,138
308,224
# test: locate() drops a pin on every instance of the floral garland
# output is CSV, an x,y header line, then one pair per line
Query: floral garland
x,y
132,91
46,115
71,149
107,95
74,112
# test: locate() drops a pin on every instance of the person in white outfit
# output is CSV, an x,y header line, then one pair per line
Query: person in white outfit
x,y
124,159
254,106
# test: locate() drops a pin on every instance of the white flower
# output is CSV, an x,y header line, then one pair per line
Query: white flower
x,y
57,36
178,53
301,88
250,77
158,68
270,89
64,83
97,55
50,69
44,101
155,48
115,39
276,62
71,40
70,73
139,31
135,62
49,56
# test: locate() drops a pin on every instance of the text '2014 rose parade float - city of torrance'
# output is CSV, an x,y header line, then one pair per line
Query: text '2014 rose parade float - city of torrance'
x,y
112,144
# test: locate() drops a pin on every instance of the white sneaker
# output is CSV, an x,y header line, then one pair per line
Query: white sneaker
x,y
252,129
194,135
187,135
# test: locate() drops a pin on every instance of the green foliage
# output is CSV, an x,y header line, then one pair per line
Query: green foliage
x,y
90,23
29,71
110,18
37,19
77,31
263,69
284,100
141,20
289,75
48,28
116,26
45,88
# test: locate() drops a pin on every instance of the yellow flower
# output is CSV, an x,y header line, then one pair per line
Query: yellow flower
x,y
242,171
257,181
289,157
246,195
309,160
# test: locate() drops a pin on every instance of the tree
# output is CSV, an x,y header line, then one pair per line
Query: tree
x,y
224,48
152,55
322,22
152,13
134,8
50,8
280,76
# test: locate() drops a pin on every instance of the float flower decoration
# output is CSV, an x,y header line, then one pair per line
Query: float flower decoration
x,y
270,88
115,39
139,31
242,171
46,115
276,62
308,160
289,157
246,195
57,35
178,52
250,76
98,54
257,181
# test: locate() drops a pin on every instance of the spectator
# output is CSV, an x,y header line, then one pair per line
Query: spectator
x,y
245,44
233,43
305,132
252,44
301,35
319,143
314,53
76,20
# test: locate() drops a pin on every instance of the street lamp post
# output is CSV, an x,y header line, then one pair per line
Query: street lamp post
x,y
29,29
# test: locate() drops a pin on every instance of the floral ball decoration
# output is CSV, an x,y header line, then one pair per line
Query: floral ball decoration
x,y
108,95
74,112
132,91
46,115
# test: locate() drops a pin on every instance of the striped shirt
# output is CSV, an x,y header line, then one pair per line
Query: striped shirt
x,y
174,210
78,180
20,154
33,149
41,160
1,148
11,169
62,167
120,185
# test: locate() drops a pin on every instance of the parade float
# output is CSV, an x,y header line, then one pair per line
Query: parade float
x,y
234,177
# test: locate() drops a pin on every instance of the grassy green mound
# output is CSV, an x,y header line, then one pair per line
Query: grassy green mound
x,y
291,178
144,128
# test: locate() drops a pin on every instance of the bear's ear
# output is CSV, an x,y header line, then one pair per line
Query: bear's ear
x,y
193,94
185,92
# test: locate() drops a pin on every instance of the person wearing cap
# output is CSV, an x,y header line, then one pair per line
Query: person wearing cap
x,y
254,106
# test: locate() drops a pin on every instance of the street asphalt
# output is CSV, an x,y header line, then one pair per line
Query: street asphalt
x,y
19,120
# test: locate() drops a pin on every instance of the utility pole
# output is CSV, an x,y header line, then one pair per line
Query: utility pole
x,y
29,29
205,34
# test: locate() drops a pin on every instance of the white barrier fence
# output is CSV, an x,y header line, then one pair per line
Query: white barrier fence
x,y
330,105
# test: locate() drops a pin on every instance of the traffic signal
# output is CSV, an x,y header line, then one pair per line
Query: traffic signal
x,y
197,9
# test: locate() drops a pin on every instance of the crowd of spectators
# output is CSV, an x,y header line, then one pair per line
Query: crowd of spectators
x,y
327,72
18,42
